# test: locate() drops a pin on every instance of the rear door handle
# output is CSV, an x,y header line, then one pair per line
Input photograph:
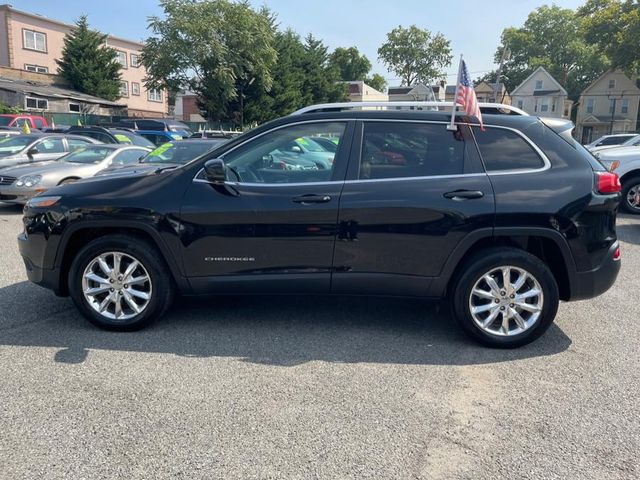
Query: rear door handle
x,y
310,198
460,195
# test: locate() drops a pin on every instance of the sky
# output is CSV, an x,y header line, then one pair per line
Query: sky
x,y
474,27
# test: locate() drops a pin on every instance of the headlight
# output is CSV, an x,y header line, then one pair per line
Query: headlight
x,y
43,202
29,181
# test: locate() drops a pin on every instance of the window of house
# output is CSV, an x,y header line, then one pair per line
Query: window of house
x,y
506,150
36,68
520,104
591,103
31,103
74,107
135,88
612,83
32,40
135,60
612,105
400,150
625,106
154,95
544,105
124,88
121,58
538,84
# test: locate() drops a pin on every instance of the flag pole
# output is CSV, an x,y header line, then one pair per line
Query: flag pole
x,y
452,125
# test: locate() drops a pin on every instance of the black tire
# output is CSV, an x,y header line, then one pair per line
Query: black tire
x,y
627,185
147,255
484,262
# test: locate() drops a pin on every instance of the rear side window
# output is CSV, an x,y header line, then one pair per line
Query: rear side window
x,y
506,150
402,149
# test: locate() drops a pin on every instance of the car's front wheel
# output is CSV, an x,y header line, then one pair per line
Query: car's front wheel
x,y
120,283
505,298
631,195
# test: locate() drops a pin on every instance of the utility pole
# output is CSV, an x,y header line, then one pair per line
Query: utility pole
x,y
506,55
613,110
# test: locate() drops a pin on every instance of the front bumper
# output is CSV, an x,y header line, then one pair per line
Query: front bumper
x,y
597,281
21,195
32,251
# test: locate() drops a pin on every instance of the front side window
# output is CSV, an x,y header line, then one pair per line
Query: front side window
x,y
121,58
506,150
32,40
88,154
399,149
50,145
287,155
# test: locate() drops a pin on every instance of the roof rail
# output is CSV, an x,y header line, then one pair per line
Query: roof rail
x,y
498,108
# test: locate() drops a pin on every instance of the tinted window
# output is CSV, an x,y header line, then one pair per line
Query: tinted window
x,y
128,157
4,121
400,149
282,156
50,145
506,150
103,137
612,140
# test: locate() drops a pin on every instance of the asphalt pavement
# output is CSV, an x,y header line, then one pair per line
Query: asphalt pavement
x,y
315,387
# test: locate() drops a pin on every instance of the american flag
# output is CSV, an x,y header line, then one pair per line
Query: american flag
x,y
466,94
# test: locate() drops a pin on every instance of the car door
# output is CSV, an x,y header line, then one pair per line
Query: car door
x,y
49,148
272,227
414,191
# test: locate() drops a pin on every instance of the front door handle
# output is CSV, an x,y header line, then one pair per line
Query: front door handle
x,y
310,198
460,195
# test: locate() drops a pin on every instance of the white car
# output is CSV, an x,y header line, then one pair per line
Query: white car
x,y
610,140
634,141
625,161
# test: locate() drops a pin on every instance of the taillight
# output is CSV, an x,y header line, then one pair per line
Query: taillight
x,y
617,254
608,182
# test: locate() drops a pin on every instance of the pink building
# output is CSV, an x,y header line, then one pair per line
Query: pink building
x,y
32,42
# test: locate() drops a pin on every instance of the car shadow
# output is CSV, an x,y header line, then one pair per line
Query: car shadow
x,y
629,232
10,209
276,330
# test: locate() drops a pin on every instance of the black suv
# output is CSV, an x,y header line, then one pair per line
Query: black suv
x,y
504,222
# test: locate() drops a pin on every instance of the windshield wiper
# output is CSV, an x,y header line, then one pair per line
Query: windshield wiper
x,y
162,169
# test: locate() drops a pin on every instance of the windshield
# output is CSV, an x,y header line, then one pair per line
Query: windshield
x,y
88,155
178,153
633,141
131,138
11,145
4,121
309,144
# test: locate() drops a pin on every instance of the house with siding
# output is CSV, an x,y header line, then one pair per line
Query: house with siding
x,y
540,94
608,105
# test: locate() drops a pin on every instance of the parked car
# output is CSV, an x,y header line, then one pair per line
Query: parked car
x,y
503,222
10,132
304,150
625,162
111,135
156,124
215,134
159,137
23,182
36,147
631,142
610,140
19,119
168,155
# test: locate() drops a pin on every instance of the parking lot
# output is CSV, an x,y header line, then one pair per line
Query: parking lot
x,y
282,387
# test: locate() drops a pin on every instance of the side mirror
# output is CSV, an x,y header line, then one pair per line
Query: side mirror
x,y
296,149
32,151
215,170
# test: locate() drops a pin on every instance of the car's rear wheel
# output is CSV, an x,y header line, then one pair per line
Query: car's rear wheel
x,y
120,283
505,298
631,195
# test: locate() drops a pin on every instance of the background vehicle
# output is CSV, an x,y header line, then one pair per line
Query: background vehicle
x,y
631,142
503,222
158,137
625,162
19,119
10,132
111,135
156,124
167,155
32,179
34,147
215,134
610,140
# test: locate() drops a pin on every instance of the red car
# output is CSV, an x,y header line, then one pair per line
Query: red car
x,y
18,120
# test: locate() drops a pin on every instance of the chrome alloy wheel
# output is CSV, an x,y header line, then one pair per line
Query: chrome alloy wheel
x,y
506,301
633,197
116,285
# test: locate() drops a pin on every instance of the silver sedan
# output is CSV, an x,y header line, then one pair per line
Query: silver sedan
x,y
18,184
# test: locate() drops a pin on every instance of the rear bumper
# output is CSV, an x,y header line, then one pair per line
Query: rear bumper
x,y
32,256
597,281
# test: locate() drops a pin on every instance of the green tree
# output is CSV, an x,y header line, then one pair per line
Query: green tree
x,y
614,27
215,48
320,82
376,81
4,108
551,37
350,63
87,64
416,55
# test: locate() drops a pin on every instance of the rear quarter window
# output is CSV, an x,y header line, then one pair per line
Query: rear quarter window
x,y
506,150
